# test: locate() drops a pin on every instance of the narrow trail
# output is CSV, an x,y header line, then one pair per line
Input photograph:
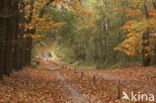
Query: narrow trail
x,y
56,85
118,79
77,97
82,91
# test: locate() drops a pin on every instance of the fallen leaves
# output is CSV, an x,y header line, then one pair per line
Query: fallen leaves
x,y
44,86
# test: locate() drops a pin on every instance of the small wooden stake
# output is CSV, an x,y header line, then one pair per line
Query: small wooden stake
x,y
82,74
74,71
117,92
94,80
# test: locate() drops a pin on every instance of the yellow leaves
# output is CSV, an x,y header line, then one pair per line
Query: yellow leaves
x,y
136,26
57,25
132,45
35,36
128,25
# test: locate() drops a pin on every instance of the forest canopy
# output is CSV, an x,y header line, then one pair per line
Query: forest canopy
x,y
104,33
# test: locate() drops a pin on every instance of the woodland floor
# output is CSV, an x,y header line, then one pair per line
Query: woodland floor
x,y
56,85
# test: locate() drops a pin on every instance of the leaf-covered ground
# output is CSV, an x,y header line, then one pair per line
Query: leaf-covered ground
x,y
58,85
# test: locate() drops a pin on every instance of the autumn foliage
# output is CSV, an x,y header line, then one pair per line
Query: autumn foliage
x,y
136,28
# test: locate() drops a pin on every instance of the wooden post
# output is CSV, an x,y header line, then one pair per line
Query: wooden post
x,y
94,80
117,92
74,71
82,75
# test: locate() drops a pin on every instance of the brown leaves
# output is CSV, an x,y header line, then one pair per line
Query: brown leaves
x,y
31,86
44,86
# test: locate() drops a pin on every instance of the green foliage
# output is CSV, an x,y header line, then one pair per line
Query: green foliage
x,y
34,53
93,44
86,45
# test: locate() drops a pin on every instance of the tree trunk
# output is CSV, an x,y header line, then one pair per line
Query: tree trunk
x,y
3,29
146,58
10,36
28,48
153,59
19,48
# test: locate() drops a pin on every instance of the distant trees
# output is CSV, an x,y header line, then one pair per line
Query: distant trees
x,y
93,43
89,31
125,25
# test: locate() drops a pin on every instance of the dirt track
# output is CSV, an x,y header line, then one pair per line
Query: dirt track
x,y
56,85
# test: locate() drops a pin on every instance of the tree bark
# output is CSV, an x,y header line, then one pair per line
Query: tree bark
x,y
10,36
153,59
146,58
28,48
19,47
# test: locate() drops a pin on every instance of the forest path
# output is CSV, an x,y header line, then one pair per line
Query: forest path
x,y
140,82
77,98
138,79
57,85
74,93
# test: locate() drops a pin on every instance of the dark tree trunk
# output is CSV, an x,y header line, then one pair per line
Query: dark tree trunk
x,y
146,58
19,47
8,20
28,48
3,22
153,59
10,35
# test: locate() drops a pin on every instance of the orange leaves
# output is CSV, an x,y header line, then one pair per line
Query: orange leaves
x,y
135,13
39,24
133,45
116,9
85,15
130,45
152,13
128,25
